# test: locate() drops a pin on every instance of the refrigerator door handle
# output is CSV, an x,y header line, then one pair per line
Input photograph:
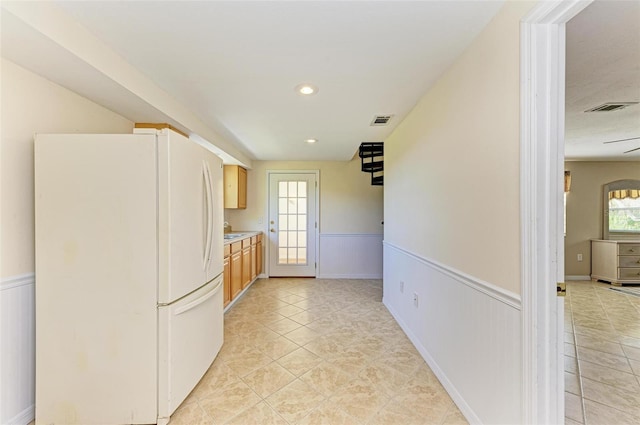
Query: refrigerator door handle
x,y
208,210
193,304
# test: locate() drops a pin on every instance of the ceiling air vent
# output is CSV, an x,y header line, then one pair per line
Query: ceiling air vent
x,y
381,119
611,106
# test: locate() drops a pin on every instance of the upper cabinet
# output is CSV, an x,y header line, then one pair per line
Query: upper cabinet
x,y
235,187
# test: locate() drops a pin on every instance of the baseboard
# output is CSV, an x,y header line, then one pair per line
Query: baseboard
x,y
464,407
577,277
349,276
24,417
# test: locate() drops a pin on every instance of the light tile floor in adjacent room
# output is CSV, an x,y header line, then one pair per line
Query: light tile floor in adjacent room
x,y
314,351
602,355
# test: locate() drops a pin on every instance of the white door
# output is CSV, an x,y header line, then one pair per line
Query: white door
x,y
292,224
186,215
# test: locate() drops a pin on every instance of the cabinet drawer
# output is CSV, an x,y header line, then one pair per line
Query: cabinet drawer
x,y
254,240
246,243
628,249
236,246
629,261
227,250
630,273
259,237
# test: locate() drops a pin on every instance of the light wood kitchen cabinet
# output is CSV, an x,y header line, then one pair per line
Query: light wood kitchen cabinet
x,y
236,269
235,187
616,262
246,262
259,255
242,265
227,280
254,255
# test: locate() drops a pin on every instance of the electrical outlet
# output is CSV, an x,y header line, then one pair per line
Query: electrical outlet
x,y
579,257
260,219
415,300
401,286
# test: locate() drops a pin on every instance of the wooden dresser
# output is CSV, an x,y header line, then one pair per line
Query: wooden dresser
x,y
616,262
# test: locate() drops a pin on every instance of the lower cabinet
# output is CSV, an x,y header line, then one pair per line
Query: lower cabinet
x,y
236,269
227,280
254,260
246,262
242,265
259,255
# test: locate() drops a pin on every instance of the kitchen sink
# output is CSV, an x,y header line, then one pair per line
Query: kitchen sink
x,y
233,235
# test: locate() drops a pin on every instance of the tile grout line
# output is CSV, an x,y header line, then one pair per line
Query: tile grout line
x,y
578,367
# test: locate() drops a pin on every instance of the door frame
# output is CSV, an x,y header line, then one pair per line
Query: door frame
x,y
542,97
267,259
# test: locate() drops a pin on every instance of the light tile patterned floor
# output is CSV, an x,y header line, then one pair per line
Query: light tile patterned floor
x,y
313,351
602,355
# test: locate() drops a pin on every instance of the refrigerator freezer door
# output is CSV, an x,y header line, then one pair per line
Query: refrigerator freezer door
x,y
190,337
186,216
96,314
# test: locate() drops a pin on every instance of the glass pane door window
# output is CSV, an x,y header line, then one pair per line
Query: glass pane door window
x,y
292,222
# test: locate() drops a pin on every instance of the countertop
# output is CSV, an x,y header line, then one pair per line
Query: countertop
x,y
240,235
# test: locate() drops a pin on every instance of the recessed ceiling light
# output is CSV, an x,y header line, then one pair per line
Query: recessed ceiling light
x,y
311,140
306,89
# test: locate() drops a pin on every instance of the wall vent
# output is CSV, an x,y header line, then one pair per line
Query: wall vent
x,y
381,119
611,106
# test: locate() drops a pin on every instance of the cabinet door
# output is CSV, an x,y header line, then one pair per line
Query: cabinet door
x,y
236,274
254,262
242,188
259,257
235,187
246,266
227,281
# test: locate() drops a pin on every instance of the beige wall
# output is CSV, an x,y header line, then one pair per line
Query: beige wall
x,y
348,202
31,104
584,208
452,166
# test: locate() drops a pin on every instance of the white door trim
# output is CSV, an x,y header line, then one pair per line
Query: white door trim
x,y
267,260
542,73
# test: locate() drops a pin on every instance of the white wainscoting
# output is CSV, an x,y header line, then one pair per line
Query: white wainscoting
x,y
17,349
468,332
350,256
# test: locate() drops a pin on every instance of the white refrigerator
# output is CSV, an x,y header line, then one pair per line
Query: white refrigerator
x,y
129,261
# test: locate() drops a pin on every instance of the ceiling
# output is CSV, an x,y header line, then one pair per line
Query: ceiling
x,y
235,64
603,65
